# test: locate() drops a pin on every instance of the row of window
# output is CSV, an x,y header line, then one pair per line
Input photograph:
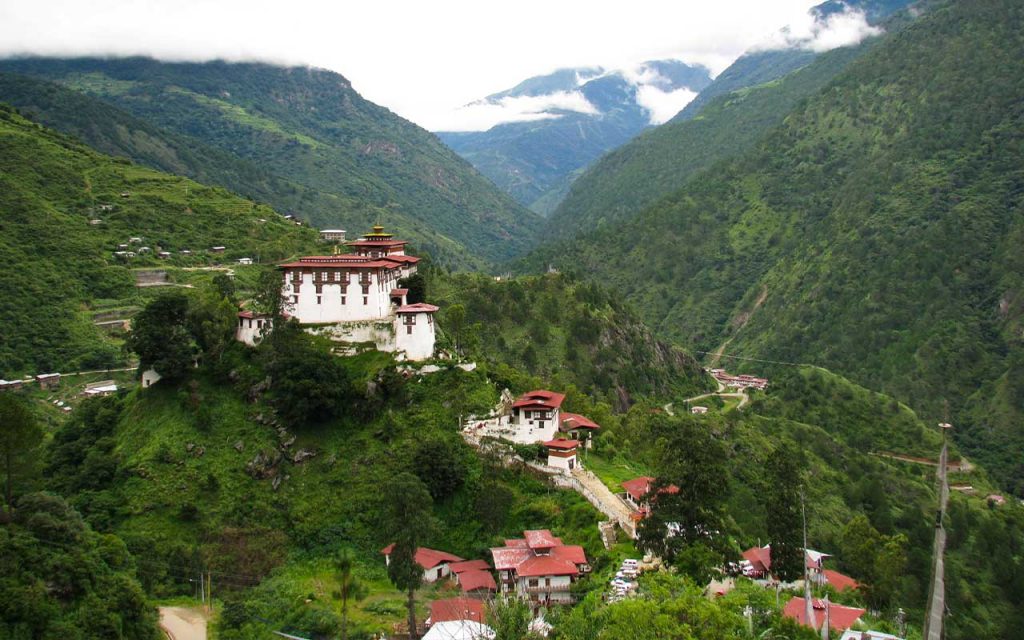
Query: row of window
x,y
319,299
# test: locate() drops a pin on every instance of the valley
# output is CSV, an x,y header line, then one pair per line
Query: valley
x,y
277,362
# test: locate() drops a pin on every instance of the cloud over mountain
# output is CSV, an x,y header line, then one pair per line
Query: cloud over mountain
x,y
820,31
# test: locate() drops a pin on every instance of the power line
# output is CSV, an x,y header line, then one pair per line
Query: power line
x,y
732,357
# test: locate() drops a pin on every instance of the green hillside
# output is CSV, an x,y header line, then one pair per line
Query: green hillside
x,y
875,232
323,152
63,272
656,163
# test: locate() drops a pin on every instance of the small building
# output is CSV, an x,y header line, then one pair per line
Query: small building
x,y
185,252
837,581
536,415
698,411
562,454
414,330
840,618
150,377
163,255
637,493
436,564
245,261
577,426
332,235
995,500
135,240
48,380
757,564
477,583
252,326
539,567
100,389
10,385
449,609
95,221
218,249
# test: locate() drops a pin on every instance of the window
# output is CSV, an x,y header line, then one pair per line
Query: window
x,y
337,276
342,299
408,329
319,299
259,324
295,299
364,300
533,582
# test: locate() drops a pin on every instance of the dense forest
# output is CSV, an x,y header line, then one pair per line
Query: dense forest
x,y
874,232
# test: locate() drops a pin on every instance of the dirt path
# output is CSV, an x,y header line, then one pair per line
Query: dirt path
x,y
959,465
180,623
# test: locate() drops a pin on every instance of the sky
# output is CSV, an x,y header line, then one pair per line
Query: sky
x,y
421,59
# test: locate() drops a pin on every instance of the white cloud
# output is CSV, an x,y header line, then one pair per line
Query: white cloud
x,y
420,59
810,32
662,105
482,115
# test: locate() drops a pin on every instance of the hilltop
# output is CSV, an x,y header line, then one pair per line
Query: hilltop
x,y
302,140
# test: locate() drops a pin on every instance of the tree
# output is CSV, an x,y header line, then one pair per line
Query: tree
x,y
19,435
455,319
211,321
408,521
781,498
439,464
688,496
349,587
417,286
510,618
269,297
161,336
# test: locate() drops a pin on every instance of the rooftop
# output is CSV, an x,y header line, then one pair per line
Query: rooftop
x,y
576,421
456,609
427,558
840,618
540,398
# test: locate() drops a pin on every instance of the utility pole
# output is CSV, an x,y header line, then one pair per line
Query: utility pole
x,y
808,602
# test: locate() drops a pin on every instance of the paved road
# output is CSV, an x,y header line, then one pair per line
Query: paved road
x,y
180,623
937,591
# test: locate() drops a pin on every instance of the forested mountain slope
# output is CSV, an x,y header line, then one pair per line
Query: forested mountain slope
x,y
325,153
877,231
60,268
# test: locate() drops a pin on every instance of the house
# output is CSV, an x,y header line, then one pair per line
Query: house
x,y
48,380
995,500
536,415
474,577
218,249
332,235
245,261
539,567
837,581
252,326
10,385
185,252
840,618
637,492
354,297
578,426
450,609
459,630
149,378
562,454
163,255
757,564
135,240
435,563
100,389
698,411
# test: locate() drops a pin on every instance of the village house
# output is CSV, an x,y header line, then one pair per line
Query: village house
x,y
450,609
354,297
757,564
537,416
332,235
744,381
840,618
474,578
218,249
539,567
578,427
252,326
637,494
562,454
150,377
245,261
698,411
100,389
48,380
436,564
10,385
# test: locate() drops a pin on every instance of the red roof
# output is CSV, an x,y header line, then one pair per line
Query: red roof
x,y
637,488
399,292
541,538
576,421
571,552
427,558
546,566
540,398
840,618
506,558
477,579
839,581
419,307
451,609
516,543
251,314
469,565
565,445
760,558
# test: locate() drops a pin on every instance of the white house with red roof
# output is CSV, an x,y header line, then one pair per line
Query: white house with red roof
x,y
474,578
757,564
577,426
637,494
536,416
539,567
562,454
355,298
436,564
252,326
